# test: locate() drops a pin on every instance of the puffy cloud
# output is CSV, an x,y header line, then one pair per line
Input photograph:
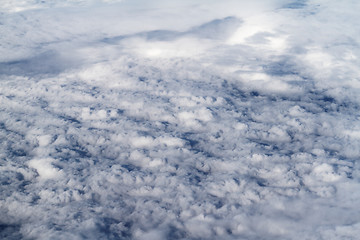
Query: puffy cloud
x,y
179,120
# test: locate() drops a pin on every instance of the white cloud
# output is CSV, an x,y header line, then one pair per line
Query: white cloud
x,y
45,168
179,119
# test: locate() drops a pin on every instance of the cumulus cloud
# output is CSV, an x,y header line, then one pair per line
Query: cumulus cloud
x,y
179,120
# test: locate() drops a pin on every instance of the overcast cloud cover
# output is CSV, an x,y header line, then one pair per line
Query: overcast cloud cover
x,y
160,119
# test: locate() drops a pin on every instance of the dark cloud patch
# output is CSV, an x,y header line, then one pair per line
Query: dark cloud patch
x,y
296,4
47,63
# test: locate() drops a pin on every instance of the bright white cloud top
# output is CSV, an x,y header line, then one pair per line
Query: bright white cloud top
x,y
179,119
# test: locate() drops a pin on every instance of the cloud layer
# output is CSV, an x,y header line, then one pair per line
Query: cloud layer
x,y
187,120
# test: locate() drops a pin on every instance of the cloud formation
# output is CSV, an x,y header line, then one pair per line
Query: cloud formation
x,y
179,120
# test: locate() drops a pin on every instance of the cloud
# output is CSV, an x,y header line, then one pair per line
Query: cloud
x,y
179,120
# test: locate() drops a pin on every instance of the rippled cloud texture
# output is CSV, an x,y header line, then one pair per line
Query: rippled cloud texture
x,y
179,119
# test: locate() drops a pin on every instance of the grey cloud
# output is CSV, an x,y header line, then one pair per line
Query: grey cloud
x,y
216,29
49,62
